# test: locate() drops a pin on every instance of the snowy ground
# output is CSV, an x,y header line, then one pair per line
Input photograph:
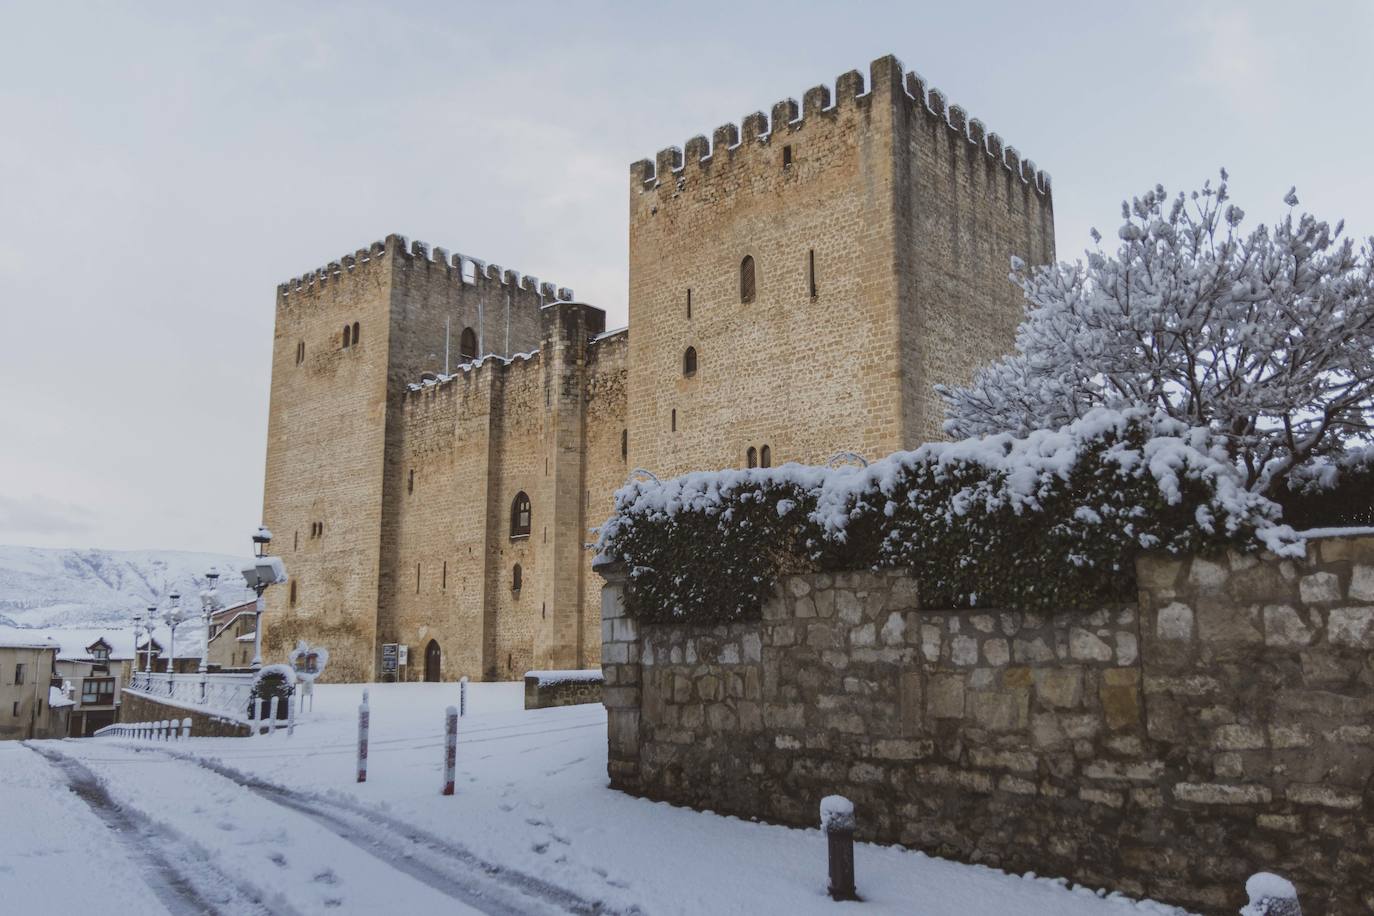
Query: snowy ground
x,y
277,824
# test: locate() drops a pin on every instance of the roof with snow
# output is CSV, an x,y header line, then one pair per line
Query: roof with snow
x,y
11,638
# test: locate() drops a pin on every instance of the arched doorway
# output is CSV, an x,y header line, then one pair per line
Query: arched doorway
x,y
432,661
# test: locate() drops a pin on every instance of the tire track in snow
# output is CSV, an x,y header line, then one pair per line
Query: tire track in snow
x,y
182,886
447,867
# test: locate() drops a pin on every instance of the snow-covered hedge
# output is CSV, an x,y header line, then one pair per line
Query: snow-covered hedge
x,y
1048,521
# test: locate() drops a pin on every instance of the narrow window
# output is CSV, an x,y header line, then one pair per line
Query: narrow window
x,y
18,675
746,279
624,445
467,345
293,592
443,577
765,457
15,709
751,457
321,529
674,421
410,483
689,362
300,353
811,271
417,578
787,156
296,540
517,576
356,329
520,516
346,337
689,302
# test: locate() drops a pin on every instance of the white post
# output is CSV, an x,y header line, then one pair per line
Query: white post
x,y
450,748
463,695
272,716
363,717
258,608
257,719
186,727
290,715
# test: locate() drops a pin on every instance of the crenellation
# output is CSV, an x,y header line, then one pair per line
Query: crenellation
x,y
935,104
667,161
784,114
724,138
1012,158
958,120
815,100
754,128
848,88
697,150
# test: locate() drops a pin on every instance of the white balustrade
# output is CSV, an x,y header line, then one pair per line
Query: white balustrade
x,y
226,694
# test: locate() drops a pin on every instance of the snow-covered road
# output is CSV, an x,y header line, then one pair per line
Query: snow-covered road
x,y
279,824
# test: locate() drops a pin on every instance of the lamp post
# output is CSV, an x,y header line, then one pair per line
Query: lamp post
x,y
209,599
149,623
138,625
174,616
266,570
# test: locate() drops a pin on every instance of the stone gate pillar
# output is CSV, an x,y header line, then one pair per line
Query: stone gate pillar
x,y
620,665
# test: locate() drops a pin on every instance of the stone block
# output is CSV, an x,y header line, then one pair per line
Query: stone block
x,y
1351,626
993,758
797,586
1362,583
1086,646
1158,574
1061,688
1127,648
894,630
1239,738
1016,785
945,698
1210,793
996,652
804,607
1120,705
1031,651
1323,796
1287,823
1101,797
1017,677
1207,574
848,606
1319,588
1284,628
1005,711
864,635
784,715
931,636
1175,622
1223,622
964,650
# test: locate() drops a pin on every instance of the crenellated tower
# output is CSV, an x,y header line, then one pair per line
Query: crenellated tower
x,y
801,281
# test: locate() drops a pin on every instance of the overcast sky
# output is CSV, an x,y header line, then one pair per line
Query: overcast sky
x,y
164,166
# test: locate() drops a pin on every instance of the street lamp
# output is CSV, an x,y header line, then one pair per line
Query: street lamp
x,y
138,625
264,571
149,623
209,603
174,617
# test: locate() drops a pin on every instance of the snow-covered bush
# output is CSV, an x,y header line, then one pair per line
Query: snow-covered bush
x,y
1048,521
1266,338
1330,494
272,681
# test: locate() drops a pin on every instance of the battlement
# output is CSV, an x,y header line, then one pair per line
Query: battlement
x,y
461,267
886,77
430,381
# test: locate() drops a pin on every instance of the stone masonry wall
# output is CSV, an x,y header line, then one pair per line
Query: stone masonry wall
x,y
137,708
561,693
1222,727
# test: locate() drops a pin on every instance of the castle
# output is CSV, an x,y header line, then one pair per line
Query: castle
x,y
443,433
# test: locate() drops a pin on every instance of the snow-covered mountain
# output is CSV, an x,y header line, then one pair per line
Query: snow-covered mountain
x,y
43,587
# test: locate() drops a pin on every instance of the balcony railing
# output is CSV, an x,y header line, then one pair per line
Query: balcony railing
x,y
222,694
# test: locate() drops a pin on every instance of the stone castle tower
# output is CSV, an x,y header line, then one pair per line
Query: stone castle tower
x,y
798,285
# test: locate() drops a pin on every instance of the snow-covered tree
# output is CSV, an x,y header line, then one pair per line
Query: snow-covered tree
x,y
1265,338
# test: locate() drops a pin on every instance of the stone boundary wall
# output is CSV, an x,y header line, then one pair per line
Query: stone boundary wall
x,y
1223,725
134,707
540,695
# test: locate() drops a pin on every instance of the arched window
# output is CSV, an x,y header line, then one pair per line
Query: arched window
x,y
517,576
346,337
356,329
746,279
520,516
300,353
624,445
467,345
751,457
689,362
765,457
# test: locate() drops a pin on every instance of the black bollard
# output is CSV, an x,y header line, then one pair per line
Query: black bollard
x,y
1271,895
837,823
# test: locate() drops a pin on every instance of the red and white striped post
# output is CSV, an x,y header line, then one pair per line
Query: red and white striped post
x,y
450,747
272,715
363,716
463,695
